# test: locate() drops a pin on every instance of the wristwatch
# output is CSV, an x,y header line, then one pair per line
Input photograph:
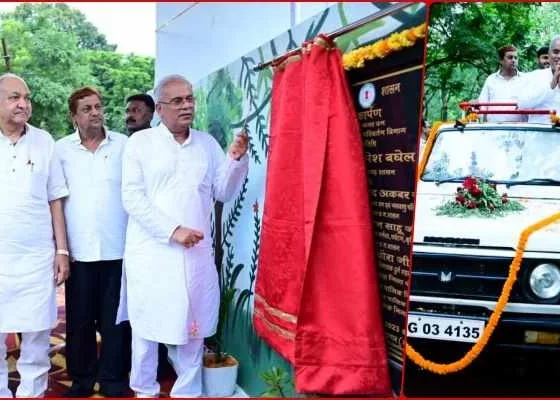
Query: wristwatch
x,y
63,252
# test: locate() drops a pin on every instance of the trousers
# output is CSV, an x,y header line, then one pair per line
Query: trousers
x,y
33,365
92,300
186,360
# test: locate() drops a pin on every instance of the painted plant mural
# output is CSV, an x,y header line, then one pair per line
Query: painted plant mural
x,y
234,97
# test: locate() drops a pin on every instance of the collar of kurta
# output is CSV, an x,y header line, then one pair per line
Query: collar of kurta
x,y
26,128
75,137
167,133
517,74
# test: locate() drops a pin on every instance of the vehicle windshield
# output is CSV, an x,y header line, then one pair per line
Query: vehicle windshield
x,y
501,155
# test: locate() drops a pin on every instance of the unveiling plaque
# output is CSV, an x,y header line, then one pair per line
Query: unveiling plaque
x,y
387,95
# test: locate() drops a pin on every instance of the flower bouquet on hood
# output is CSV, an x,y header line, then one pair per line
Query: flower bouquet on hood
x,y
477,197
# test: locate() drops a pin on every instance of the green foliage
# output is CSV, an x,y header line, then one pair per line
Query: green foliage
x,y
463,39
253,92
35,16
201,116
217,341
227,274
56,50
120,76
276,381
477,197
350,40
234,214
223,104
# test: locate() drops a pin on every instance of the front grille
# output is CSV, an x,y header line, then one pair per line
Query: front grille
x,y
467,277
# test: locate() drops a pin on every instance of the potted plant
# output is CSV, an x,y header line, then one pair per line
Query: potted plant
x,y
219,372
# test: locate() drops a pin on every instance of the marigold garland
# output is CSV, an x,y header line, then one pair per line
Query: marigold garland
x,y
429,145
380,49
477,348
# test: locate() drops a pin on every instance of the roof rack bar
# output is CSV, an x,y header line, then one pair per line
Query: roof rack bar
x,y
517,112
486,104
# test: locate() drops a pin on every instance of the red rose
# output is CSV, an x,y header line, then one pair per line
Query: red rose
x,y
460,199
469,182
471,204
475,191
504,199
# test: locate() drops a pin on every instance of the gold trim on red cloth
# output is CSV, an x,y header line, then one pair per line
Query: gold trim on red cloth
x,y
276,312
274,328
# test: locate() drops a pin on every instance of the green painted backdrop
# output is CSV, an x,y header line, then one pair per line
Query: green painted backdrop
x,y
224,100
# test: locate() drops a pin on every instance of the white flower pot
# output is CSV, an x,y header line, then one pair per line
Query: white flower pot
x,y
219,381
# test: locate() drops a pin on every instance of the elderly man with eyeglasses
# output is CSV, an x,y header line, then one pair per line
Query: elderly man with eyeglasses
x,y
171,176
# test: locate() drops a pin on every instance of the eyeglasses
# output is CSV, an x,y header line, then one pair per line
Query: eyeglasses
x,y
177,102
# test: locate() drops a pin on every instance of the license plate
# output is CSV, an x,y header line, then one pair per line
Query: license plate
x,y
444,328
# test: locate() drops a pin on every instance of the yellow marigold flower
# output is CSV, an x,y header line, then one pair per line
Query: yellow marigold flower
x,y
404,41
411,35
381,48
393,42
420,31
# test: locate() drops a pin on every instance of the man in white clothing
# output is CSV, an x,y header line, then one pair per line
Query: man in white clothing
x,y
171,176
540,87
91,158
543,58
31,216
503,86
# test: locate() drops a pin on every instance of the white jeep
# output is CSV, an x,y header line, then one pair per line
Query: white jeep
x,y
460,264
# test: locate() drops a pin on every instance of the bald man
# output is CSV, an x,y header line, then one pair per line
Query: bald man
x,y
33,250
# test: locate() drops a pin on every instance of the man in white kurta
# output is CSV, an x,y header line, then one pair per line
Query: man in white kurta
x,y
540,87
171,176
32,187
503,85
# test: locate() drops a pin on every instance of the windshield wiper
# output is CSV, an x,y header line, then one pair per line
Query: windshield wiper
x,y
453,179
536,181
461,179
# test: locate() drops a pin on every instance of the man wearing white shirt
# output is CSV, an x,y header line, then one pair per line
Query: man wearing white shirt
x,y
540,87
503,86
31,214
92,162
171,176
543,58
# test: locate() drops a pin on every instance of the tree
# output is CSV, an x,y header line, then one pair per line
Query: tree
x,y
223,106
48,61
56,50
63,18
463,39
120,76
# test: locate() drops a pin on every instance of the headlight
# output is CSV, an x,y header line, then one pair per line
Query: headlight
x,y
545,281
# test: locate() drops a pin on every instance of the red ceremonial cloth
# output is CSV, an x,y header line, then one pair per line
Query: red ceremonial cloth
x,y
317,299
